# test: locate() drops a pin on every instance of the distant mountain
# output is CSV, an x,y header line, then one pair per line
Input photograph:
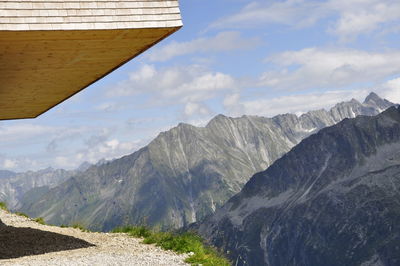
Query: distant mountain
x,y
6,174
14,186
187,172
334,199
84,166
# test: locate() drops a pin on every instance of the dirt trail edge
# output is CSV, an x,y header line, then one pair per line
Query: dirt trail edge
x,y
25,242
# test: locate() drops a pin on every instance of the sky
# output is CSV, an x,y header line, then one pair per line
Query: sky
x,y
233,57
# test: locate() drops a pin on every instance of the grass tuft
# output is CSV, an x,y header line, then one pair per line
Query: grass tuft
x,y
22,214
3,206
180,243
80,227
135,231
40,220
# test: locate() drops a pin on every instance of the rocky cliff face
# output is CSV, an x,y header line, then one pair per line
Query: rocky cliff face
x,y
187,172
332,200
14,186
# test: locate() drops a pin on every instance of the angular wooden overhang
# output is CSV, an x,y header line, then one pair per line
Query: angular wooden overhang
x,y
52,49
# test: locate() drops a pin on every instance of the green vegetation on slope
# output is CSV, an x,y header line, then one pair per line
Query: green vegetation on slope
x,y
200,254
22,214
40,220
3,206
180,243
80,227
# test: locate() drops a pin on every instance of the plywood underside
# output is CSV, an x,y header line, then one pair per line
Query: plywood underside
x,y
39,69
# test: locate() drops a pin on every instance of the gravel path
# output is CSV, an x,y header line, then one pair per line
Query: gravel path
x,y
25,242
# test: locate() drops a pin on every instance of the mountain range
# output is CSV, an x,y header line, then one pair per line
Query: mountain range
x,y
334,199
15,186
186,173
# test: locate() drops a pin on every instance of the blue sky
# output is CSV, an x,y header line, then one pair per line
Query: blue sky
x,y
233,57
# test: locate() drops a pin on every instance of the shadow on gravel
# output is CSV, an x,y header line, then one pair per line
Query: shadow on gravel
x,y
17,242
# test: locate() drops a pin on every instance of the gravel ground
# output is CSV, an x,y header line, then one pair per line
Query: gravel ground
x,y
25,242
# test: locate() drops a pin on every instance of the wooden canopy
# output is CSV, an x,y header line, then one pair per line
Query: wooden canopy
x,y
50,50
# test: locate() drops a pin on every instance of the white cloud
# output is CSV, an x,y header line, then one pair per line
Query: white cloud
x,y
292,103
202,87
108,107
192,108
9,164
112,144
363,16
18,163
95,148
350,18
102,149
64,162
105,146
231,99
13,132
391,90
259,13
175,85
222,42
110,149
19,137
304,102
145,73
318,68
101,137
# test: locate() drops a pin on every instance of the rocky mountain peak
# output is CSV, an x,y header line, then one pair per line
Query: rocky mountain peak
x,y
84,166
354,101
374,100
217,120
47,170
185,126
372,97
